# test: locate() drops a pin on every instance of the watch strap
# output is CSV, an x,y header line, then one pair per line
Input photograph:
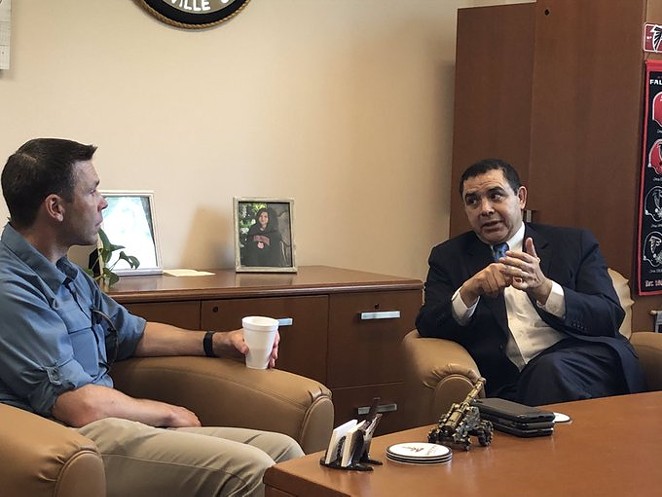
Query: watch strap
x,y
208,344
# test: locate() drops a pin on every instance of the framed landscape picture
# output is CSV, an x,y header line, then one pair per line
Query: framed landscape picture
x,y
264,239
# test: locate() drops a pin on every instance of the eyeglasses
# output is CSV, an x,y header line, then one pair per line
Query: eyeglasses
x,y
111,352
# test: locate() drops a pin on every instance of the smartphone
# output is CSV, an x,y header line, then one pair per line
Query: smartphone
x,y
518,425
495,407
527,433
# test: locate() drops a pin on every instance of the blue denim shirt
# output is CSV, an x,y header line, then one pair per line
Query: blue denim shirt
x,y
50,340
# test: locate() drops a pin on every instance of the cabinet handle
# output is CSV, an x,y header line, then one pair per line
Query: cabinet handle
x,y
362,411
285,322
365,316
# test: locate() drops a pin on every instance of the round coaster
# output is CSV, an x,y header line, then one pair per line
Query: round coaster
x,y
561,418
418,452
418,461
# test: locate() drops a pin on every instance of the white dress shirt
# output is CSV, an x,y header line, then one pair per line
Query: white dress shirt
x,y
529,334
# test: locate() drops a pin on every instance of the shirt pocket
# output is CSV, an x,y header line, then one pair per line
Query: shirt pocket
x,y
83,337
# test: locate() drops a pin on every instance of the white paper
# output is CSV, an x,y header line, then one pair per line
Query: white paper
x,y
336,436
349,446
186,272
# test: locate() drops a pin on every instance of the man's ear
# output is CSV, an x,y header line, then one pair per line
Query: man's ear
x,y
54,207
521,195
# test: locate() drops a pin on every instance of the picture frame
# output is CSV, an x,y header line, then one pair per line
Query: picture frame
x,y
130,220
264,244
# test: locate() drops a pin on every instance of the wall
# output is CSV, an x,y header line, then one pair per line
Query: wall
x,y
343,105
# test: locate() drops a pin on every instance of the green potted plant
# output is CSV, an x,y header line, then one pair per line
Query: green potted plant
x,y
100,267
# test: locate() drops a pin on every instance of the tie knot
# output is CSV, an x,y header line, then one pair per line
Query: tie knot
x,y
499,250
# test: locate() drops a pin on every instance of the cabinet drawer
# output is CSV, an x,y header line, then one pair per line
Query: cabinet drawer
x,y
365,331
303,328
352,403
183,314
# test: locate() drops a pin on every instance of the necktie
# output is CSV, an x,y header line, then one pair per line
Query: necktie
x,y
499,250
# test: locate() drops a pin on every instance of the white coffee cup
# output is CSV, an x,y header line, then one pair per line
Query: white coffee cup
x,y
259,335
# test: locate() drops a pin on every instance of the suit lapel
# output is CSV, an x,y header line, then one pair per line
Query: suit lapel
x,y
543,248
544,251
480,256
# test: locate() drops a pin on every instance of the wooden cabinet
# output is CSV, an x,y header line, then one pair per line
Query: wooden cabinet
x,y
185,314
364,352
303,327
556,88
493,87
340,327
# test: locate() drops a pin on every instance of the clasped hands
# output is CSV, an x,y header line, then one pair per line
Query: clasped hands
x,y
521,270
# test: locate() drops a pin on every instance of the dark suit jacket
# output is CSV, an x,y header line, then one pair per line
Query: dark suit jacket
x,y
571,257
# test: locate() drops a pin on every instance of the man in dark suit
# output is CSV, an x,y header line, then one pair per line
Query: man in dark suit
x,y
540,317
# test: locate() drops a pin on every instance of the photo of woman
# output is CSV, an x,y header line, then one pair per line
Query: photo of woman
x,y
263,245
264,235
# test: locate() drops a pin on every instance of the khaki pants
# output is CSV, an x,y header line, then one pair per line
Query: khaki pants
x,y
144,461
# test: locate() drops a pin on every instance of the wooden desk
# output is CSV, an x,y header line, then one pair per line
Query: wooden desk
x,y
340,327
612,447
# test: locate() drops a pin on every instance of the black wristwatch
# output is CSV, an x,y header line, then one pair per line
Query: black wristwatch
x,y
208,344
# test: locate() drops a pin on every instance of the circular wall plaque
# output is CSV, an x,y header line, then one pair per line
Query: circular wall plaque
x,y
193,14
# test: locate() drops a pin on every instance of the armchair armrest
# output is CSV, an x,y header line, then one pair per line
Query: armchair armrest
x,y
39,457
224,392
437,374
648,346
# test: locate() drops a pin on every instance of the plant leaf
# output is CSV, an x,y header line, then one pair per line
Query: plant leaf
x,y
105,242
130,259
105,252
110,277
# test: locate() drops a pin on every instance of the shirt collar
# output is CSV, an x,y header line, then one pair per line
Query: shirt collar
x,y
54,275
516,242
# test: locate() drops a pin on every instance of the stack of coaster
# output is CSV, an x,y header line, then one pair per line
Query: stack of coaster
x,y
419,453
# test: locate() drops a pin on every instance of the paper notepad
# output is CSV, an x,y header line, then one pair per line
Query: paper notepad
x,y
186,272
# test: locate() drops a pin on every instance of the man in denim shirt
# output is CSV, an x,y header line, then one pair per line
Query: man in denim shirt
x,y
59,335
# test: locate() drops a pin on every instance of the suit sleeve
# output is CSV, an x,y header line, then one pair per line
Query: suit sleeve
x,y
592,306
435,318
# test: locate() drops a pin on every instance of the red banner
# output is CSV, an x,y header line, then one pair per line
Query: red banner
x,y
649,238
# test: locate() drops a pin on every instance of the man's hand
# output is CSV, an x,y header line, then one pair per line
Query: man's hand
x,y
274,351
180,417
231,343
490,281
93,402
524,270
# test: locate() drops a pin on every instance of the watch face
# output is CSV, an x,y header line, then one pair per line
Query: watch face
x,y
194,14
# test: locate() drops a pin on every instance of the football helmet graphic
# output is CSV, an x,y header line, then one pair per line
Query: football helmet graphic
x,y
656,109
655,156
653,249
653,204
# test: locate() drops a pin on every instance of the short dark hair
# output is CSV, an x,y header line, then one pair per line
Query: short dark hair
x,y
485,165
39,168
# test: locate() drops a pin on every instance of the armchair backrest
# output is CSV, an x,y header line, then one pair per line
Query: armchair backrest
x,y
623,291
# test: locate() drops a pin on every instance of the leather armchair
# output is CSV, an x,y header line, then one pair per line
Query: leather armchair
x,y
39,457
440,372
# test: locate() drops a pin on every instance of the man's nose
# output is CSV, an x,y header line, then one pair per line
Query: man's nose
x,y
486,207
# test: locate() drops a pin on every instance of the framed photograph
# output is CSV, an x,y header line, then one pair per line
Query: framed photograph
x,y
264,239
129,220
